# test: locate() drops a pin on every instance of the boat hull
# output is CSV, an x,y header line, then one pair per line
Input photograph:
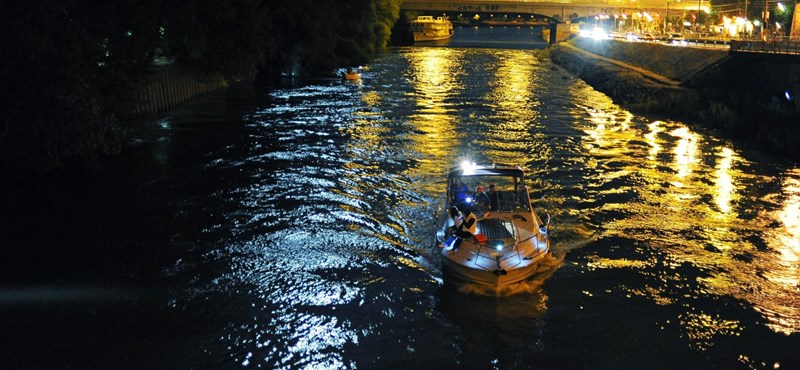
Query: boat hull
x,y
352,77
494,278
424,38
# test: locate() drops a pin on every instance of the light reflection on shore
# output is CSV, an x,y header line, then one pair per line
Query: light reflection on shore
x,y
781,301
689,210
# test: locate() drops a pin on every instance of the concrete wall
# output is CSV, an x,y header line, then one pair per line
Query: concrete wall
x,y
677,63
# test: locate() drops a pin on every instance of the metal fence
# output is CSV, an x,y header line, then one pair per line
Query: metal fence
x,y
169,86
779,45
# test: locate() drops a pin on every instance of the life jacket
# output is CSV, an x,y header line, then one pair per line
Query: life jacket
x,y
469,224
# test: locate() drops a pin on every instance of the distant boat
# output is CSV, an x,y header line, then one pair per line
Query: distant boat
x,y
426,28
351,76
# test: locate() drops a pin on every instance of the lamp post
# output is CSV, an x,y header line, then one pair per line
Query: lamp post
x,y
765,23
697,20
666,18
794,28
745,9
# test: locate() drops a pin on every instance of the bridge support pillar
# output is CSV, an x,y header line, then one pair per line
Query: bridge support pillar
x,y
559,32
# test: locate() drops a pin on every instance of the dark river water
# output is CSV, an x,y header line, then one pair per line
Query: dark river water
x,y
293,228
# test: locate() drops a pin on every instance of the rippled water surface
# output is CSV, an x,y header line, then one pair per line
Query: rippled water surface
x,y
293,228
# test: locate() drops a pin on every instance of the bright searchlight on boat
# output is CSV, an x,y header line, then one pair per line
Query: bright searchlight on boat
x,y
468,167
469,199
499,247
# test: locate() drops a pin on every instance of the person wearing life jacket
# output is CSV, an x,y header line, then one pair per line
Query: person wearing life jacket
x,y
467,227
454,222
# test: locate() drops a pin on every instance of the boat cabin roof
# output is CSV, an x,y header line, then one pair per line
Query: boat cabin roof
x,y
472,169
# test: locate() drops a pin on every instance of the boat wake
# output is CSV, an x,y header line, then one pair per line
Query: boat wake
x,y
566,239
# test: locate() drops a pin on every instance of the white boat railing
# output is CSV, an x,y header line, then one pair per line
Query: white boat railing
x,y
488,256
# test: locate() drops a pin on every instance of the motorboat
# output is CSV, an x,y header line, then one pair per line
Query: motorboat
x,y
510,238
427,28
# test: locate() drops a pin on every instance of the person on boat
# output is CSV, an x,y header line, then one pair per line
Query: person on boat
x,y
466,229
494,198
455,221
451,226
480,198
459,191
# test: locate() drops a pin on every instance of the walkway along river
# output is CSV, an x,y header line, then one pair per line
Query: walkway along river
x,y
293,229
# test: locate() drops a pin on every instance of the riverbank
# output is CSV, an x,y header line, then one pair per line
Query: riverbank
x,y
704,86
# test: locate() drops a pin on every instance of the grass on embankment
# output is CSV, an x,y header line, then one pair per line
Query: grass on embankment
x,y
676,63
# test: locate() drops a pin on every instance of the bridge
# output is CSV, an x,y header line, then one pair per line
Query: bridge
x,y
557,9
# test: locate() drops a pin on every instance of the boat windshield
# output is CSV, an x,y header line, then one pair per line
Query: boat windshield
x,y
508,194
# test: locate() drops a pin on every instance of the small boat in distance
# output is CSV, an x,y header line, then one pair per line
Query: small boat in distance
x,y
351,75
510,239
426,28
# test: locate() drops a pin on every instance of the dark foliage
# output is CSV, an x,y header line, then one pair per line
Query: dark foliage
x,y
316,35
70,68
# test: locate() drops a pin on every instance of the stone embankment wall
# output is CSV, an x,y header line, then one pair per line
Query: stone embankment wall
x,y
742,98
676,63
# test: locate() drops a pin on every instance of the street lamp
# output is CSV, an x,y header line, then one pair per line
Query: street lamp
x,y
697,21
745,9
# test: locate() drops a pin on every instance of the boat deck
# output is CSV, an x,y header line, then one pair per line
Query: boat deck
x,y
495,228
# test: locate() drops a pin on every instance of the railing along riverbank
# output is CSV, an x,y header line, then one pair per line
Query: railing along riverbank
x,y
778,45
168,86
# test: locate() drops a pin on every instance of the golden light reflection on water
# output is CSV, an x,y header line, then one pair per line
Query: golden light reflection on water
x,y
433,75
655,148
725,190
689,208
685,155
515,108
609,130
781,303
702,328
604,263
